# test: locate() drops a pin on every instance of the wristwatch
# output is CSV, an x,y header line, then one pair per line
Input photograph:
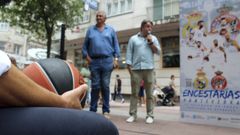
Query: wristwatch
x,y
116,59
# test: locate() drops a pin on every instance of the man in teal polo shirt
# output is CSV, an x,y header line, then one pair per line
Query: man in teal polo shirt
x,y
140,62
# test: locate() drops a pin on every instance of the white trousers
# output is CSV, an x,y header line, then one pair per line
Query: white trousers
x,y
5,63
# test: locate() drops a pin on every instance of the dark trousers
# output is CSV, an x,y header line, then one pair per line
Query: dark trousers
x,y
117,94
101,70
53,121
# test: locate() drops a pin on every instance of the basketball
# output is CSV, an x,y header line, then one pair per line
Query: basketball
x,y
56,75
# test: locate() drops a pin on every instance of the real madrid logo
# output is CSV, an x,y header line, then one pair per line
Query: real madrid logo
x,y
219,82
201,82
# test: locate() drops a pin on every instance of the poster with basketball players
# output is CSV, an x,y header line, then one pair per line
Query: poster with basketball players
x,y
210,61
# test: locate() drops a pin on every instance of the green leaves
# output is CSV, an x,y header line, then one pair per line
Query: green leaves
x,y
41,14
40,17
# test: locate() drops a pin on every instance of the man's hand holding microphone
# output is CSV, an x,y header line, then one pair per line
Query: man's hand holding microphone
x,y
149,38
150,42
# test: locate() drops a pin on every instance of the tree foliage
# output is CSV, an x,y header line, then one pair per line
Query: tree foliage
x,y
40,17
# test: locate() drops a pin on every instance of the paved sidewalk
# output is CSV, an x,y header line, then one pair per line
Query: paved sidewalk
x,y
166,123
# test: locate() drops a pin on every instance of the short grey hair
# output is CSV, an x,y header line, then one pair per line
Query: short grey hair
x,y
102,12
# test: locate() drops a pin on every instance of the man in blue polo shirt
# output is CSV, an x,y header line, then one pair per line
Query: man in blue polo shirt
x,y
101,50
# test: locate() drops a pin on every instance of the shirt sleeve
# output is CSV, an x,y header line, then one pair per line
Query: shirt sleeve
x,y
156,43
116,45
129,52
85,45
5,63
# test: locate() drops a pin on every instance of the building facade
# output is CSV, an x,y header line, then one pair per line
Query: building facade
x,y
125,16
14,43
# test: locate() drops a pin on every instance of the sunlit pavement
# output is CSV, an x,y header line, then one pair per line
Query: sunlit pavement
x,y
166,122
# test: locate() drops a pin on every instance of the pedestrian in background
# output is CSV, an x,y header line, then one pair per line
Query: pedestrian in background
x,y
141,94
118,89
86,75
140,63
101,50
172,84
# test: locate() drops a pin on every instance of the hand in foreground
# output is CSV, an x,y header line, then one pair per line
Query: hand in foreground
x,y
74,97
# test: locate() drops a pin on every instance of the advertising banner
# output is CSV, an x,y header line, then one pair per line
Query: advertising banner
x,y
210,62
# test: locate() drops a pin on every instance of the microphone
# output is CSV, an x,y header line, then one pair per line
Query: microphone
x,y
148,34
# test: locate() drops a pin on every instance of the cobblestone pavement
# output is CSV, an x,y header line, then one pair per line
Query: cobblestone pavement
x,y
166,122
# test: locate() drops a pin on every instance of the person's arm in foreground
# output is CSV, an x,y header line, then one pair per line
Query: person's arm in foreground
x,y
16,89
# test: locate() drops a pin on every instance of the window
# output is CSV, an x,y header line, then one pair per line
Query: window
x,y
18,33
84,18
165,9
2,45
157,10
122,6
175,7
4,26
116,7
129,5
109,9
170,50
171,8
17,49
